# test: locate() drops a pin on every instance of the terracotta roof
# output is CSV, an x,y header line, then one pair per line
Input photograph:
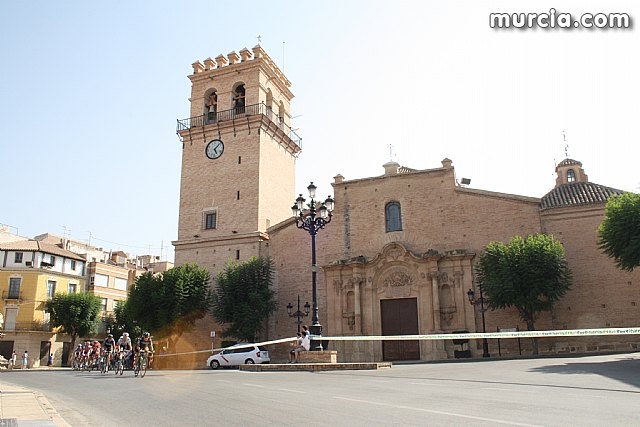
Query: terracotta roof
x,y
569,162
36,246
577,193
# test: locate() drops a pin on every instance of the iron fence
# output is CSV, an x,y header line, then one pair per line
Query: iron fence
x,y
238,113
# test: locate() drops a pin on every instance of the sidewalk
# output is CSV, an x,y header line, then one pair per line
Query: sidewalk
x,y
22,407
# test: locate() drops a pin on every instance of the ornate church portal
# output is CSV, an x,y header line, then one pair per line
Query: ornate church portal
x,y
399,293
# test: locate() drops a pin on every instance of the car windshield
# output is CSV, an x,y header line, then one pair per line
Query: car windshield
x,y
262,348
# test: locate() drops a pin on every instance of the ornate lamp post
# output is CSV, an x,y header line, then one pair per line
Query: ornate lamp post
x,y
313,219
473,301
299,314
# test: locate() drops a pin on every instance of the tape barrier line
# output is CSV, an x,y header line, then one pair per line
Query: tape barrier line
x,y
500,335
433,337
212,350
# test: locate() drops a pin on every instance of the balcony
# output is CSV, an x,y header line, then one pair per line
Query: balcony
x,y
235,114
31,326
10,295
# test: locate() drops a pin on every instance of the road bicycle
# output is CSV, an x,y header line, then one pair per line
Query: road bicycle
x,y
140,365
119,367
103,363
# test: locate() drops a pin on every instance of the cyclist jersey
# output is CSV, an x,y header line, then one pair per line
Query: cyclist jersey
x,y
142,343
108,343
125,343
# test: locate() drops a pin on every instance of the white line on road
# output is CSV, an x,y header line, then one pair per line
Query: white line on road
x,y
429,384
452,414
519,390
254,385
291,391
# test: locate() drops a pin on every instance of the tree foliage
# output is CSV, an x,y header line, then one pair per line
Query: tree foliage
x,y
75,314
167,304
620,230
530,274
243,298
121,321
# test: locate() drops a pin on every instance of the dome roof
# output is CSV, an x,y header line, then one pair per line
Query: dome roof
x,y
577,193
569,162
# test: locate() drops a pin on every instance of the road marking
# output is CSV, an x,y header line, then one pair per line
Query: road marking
x,y
513,390
291,391
451,414
429,384
254,385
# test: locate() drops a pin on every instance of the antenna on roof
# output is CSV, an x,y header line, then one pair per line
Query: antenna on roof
x,y
566,146
259,38
283,56
390,153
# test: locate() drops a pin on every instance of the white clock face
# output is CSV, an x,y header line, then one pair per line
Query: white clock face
x,y
214,149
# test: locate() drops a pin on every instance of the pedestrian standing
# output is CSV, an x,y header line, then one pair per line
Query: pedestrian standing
x,y
14,359
50,361
25,360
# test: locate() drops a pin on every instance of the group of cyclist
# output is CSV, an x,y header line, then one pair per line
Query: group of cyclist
x,y
89,353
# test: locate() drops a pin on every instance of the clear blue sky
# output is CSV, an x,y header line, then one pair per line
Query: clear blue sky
x,y
90,94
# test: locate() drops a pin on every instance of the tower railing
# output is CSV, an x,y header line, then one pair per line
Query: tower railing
x,y
238,113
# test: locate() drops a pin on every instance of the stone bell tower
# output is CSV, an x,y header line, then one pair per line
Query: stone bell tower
x,y
238,158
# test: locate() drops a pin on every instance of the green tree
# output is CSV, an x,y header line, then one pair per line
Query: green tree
x,y
121,321
530,274
168,304
620,230
243,298
75,314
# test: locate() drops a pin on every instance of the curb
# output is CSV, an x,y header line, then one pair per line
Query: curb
x,y
15,408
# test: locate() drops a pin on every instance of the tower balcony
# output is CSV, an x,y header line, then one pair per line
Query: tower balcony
x,y
274,123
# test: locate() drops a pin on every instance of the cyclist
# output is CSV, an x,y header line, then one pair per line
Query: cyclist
x,y
109,345
94,353
124,344
144,343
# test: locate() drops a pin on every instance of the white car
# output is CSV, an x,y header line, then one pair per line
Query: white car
x,y
239,354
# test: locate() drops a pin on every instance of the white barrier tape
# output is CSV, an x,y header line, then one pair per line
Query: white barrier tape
x,y
500,335
432,337
211,350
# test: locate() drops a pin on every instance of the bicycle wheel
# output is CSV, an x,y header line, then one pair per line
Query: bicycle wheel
x,y
103,364
143,367
120,366
136,367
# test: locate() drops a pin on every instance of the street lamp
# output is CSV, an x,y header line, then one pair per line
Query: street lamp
x,y
313,219
473,301
299,314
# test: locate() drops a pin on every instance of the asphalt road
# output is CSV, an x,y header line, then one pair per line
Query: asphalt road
x,y
587,391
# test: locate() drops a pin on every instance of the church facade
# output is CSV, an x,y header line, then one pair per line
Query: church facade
x,y
398,256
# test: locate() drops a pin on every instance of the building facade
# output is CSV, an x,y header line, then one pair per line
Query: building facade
x,y
399,254
31,273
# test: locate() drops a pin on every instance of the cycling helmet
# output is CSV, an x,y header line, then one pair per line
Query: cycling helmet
x,y
146,335
110,336
125,334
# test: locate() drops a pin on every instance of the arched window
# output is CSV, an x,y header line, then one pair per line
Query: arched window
x,y
571,175
211,105
393,219
239,99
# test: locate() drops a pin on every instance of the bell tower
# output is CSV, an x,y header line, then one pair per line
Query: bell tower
x,y
238,158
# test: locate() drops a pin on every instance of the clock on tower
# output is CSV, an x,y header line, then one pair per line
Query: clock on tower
x,y
238,158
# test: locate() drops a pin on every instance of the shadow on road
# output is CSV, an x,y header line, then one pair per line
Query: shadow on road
x,y
624,370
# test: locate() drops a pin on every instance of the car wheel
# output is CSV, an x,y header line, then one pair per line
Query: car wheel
x,y
249,362
214,364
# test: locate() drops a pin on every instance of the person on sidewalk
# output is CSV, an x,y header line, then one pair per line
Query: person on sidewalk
x,y
25,360
14,360
50,361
